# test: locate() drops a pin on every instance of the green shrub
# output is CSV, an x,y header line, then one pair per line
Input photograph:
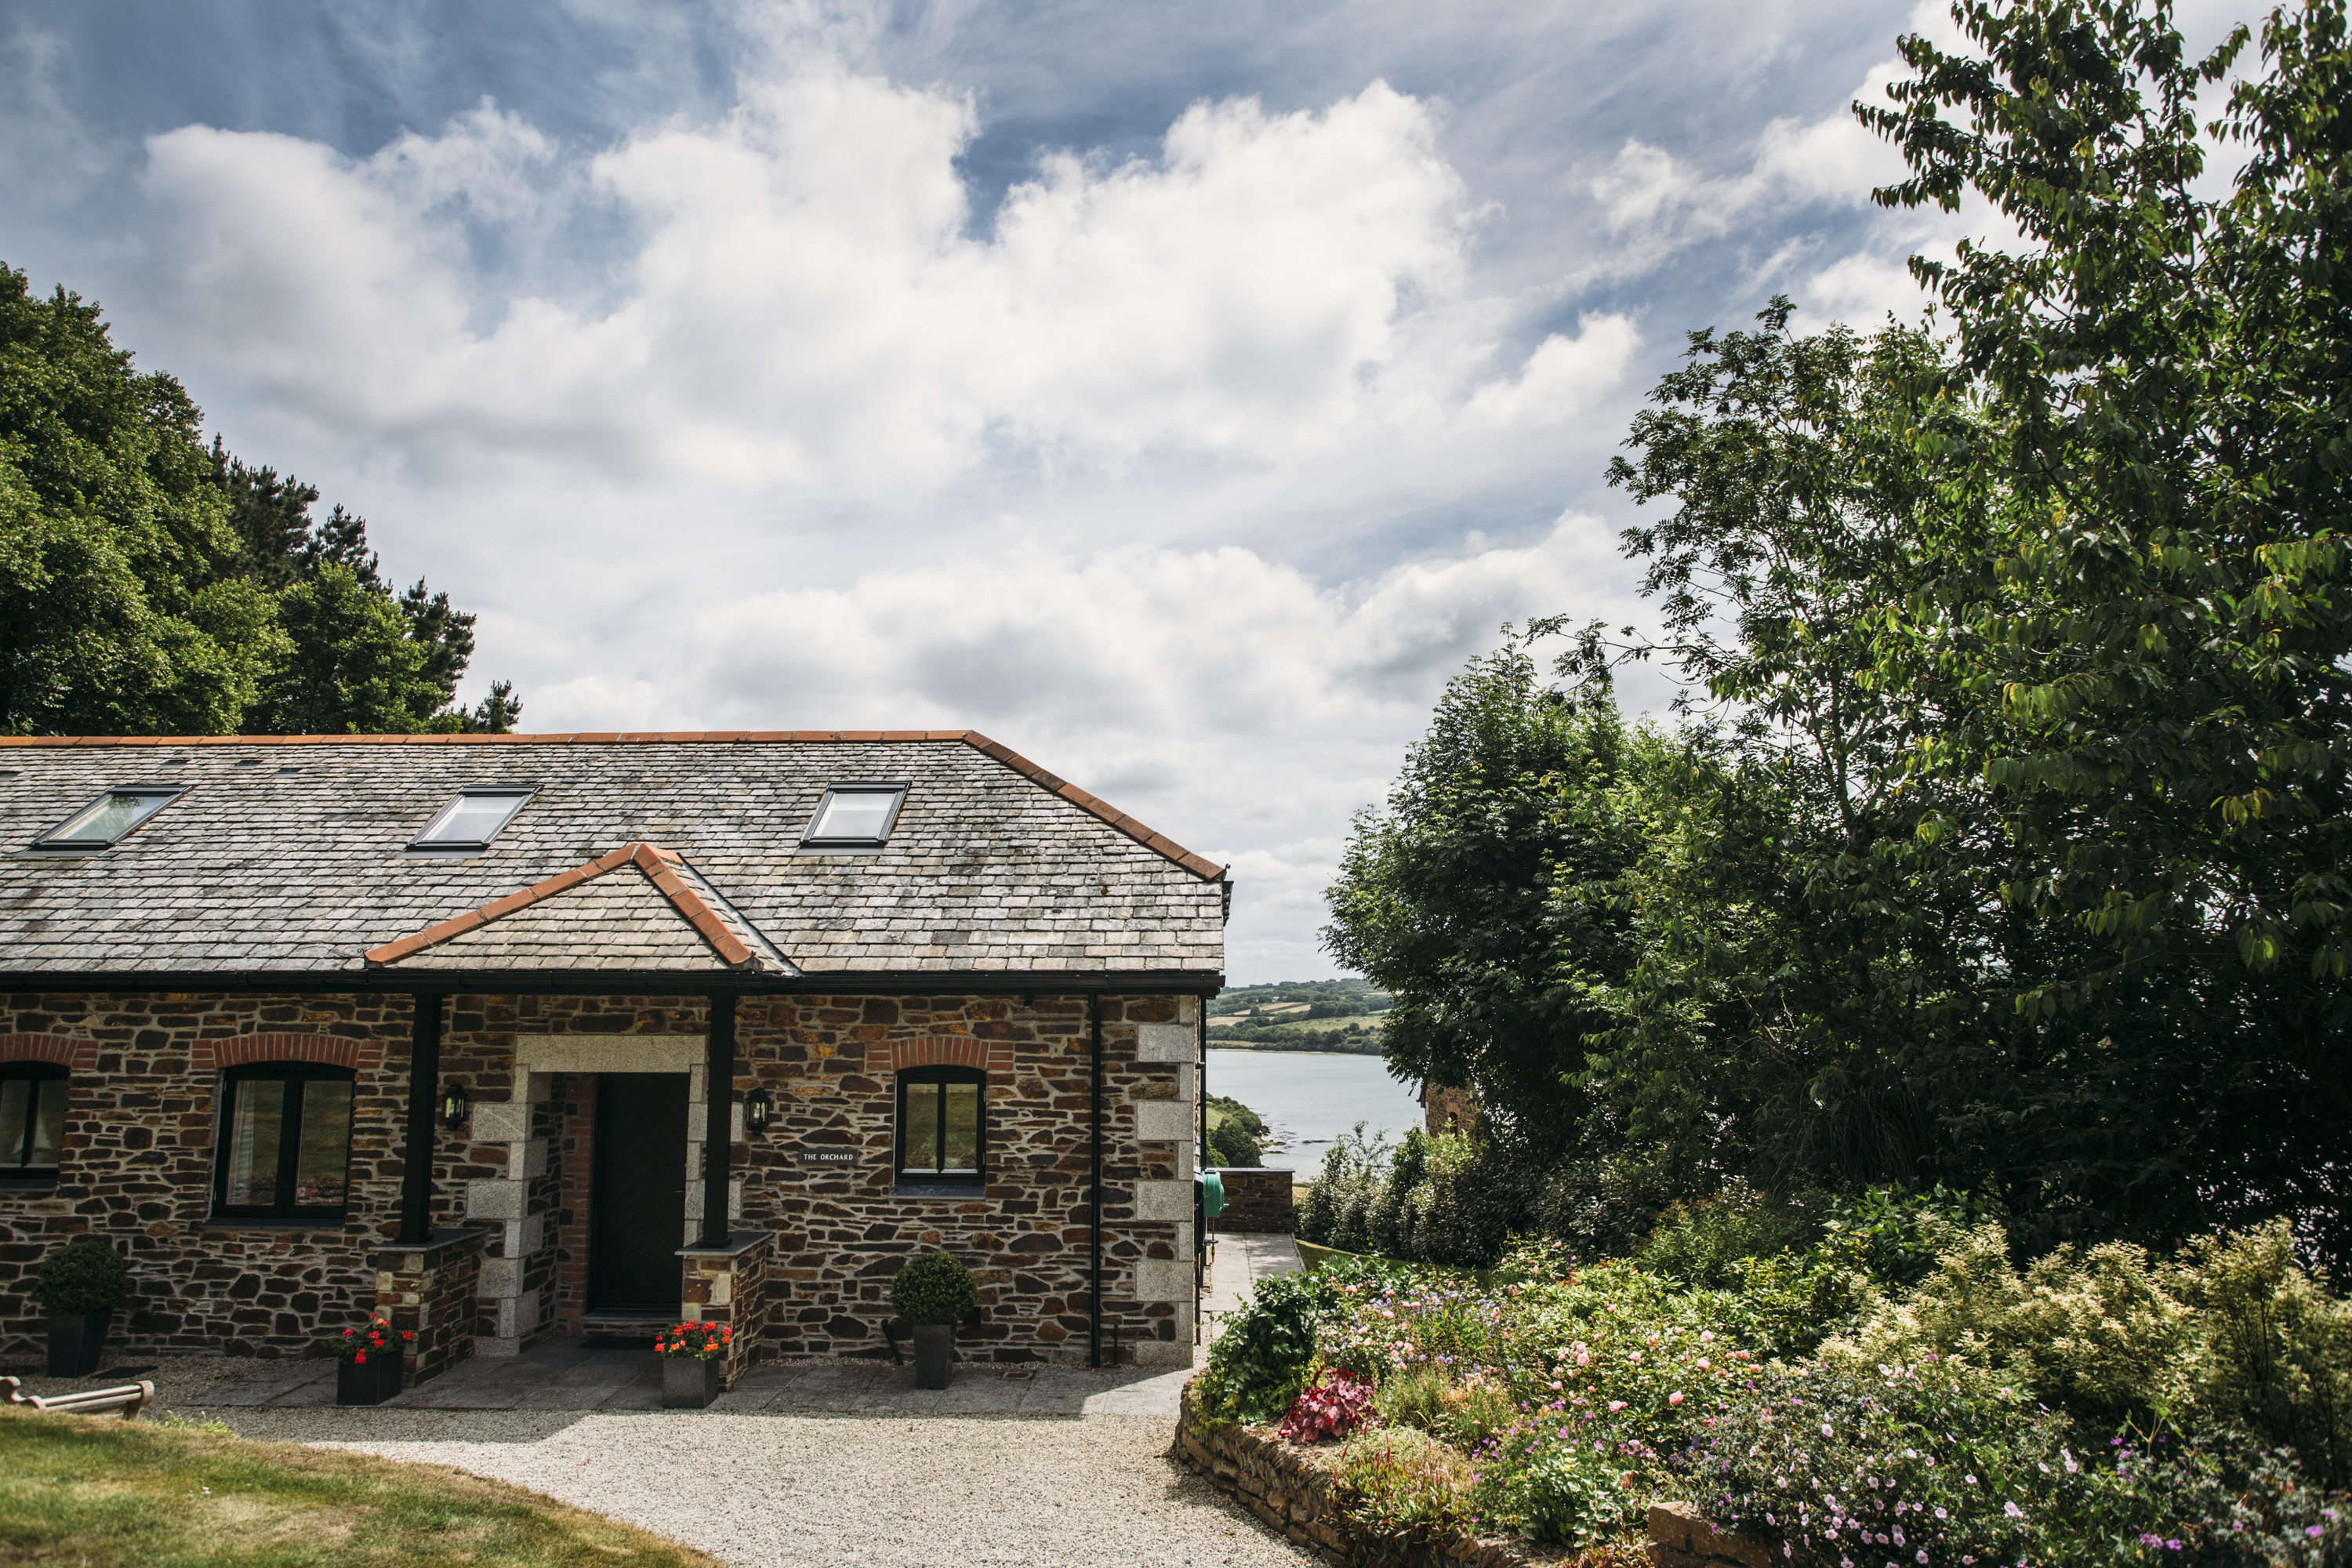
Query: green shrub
x,y
1266,1354
1601,1208
1467,1412
1898,1234
1403,1496
1703,1241
2273,1354
1231,1144
2233,1334
2218,1499
2092,1333
933,1288
1572,1492
1336,1210
85,1275
1937,1458
1448,1199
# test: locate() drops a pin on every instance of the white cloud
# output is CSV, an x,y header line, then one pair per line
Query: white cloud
x,y
1231,702
804,308
1565,376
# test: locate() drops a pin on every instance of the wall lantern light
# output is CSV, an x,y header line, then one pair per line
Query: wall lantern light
x,y
756,1110
452,1106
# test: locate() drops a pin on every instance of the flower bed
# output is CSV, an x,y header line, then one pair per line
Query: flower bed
x,y
1812,1414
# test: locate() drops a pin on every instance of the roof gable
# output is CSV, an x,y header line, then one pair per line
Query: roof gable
x,y
632,909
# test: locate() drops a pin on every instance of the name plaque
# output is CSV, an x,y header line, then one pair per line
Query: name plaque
x,y
830,1156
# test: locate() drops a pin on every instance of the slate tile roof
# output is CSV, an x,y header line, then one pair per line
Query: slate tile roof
x,y
995,864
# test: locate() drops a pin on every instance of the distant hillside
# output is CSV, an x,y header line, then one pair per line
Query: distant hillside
x,y
1342,1015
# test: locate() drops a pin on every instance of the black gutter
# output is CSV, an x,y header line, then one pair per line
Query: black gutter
x,y
717,1119
594,982
1093,1228
423,1102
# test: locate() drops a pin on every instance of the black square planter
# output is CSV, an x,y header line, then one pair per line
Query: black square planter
x,y
78,1342
370,1382
688,1383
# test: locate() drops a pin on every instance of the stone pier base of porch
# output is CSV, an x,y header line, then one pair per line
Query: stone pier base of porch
x,y
729,1284
429,1290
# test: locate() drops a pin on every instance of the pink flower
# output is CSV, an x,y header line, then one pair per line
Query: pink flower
x,y
1615,1405
1676,1397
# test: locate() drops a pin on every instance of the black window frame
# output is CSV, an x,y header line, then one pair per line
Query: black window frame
x,y
289,1142
896,788
521,793
959,1180
163,793
12,1170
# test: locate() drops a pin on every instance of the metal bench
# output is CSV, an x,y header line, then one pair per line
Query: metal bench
x,y
129,1398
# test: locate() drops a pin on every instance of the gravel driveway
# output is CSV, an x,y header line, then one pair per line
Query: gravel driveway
x,y
877,1492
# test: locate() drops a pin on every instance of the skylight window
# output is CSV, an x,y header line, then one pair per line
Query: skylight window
x,y
855,816
105,820
475,817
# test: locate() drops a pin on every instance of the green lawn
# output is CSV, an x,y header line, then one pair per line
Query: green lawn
x,y
91,1492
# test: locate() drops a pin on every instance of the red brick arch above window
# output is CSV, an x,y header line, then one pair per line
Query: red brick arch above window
x,y
65,1050
945,1051
237,1050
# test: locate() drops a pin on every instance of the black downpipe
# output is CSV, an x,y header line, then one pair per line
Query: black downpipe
x,y
424,1102
717,1119
1094,1226
1201,1163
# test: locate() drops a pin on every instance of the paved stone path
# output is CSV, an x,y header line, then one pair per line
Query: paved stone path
x,y
567,1374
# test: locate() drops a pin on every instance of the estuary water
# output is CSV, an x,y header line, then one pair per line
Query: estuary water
x,y
1309,1098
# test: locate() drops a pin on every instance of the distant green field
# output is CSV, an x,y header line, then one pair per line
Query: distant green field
x,y
1301,1016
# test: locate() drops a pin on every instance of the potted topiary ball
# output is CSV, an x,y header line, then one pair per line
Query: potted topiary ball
x,y
933,1293
77,1285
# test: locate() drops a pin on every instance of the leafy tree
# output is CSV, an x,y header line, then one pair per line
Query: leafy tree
x,y
2017,864
150,586
107,533
2173,373
2169,376
2005,847
1452,896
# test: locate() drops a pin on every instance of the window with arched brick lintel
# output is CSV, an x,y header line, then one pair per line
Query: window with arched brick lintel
x,y
65,1050
323,1051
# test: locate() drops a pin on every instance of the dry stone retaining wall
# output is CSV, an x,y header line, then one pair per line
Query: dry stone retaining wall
x,y
1290,1488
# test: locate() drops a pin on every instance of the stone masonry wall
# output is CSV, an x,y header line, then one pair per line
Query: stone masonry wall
x,y
136,1168
1256,1199
141,1111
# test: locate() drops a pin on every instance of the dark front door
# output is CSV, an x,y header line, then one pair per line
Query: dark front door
x,y
636,1215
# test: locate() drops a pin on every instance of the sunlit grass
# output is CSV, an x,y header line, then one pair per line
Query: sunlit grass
x,y
77,1491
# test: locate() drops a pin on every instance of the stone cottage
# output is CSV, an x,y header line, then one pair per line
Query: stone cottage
x,y
538,1035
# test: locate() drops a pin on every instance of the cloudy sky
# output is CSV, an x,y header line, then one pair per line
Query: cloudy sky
x,y
1177,392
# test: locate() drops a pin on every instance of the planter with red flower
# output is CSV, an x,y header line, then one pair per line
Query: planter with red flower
x,y
372,1360
694,1364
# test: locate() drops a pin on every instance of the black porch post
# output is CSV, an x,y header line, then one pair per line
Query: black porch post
x,y
718,1119
1095,1200
424,1096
